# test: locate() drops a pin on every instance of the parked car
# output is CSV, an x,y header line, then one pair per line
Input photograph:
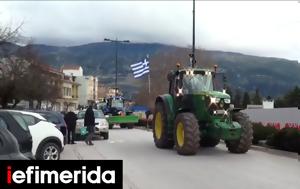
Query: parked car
x,y
9,147
101,127
48,141
56,118
14,123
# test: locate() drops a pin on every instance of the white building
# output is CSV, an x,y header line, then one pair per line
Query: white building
x,y
88,89
88,85
72,70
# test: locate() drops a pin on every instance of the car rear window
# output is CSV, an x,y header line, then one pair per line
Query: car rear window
x,y
20,120
51,118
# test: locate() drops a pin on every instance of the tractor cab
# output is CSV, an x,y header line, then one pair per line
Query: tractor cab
x,y
199,86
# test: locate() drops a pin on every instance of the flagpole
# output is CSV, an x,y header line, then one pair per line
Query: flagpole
x,y
149,83
149,79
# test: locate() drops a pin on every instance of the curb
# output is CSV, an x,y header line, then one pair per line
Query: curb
x,y
293,155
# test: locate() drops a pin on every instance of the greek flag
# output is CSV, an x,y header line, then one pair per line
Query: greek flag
x,y
140,68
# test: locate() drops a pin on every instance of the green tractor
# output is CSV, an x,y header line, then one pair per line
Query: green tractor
x,y
195,113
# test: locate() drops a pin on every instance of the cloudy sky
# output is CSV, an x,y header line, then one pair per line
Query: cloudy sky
x,y
257,28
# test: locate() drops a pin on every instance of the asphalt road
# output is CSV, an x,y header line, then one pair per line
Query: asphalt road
x,y
147,167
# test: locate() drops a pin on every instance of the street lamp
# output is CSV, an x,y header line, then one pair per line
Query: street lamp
x,y
116,41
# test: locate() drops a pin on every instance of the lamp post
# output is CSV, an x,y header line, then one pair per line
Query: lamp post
x,y
116,41
193,50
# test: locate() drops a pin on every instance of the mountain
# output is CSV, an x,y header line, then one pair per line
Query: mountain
x,y
272,76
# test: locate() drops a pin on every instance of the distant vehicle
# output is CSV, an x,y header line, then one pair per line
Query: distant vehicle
x,y
56,118
48,141
9,147
118,113
14,123
101,127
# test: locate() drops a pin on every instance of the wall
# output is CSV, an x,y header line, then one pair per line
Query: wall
x,y
278,117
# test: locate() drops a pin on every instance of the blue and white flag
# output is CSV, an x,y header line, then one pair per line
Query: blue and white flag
x,y
141,68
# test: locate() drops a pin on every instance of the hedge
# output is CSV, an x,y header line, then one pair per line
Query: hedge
x,y
286,139
261,132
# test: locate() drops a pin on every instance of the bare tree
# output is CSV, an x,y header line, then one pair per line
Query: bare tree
x,y
9,34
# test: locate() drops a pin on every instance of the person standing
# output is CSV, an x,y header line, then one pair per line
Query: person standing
x,y
89,122
70,119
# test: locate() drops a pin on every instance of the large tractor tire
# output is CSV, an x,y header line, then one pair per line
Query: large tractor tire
x,y
160,130
209,141
243,144
186,134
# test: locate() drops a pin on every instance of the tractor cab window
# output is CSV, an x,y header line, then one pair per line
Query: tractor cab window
x,y
219,81
196,83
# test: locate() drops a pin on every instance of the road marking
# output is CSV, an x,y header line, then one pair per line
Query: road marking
x,y
116,141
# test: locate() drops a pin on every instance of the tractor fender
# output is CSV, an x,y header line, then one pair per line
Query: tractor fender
x,y
237,109
169,107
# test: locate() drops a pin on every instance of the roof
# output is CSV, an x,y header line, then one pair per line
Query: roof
x,y
29,113
70,67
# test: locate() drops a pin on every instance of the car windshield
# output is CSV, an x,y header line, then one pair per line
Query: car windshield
x,y
196,83
97,114
117,103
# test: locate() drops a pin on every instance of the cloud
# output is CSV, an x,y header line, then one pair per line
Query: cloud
x,y
258,28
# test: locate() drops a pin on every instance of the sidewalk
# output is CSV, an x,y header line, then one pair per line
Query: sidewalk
x,y
81,151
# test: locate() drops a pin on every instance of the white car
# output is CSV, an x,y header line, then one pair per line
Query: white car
x,y
47,140
101,127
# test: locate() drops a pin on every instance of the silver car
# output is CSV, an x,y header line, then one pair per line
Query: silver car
x,y
101,127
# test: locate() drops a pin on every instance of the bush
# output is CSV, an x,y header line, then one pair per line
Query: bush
x,y
261,132
286,139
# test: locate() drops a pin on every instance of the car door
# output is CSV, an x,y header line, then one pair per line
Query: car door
x,y
17,126
4,146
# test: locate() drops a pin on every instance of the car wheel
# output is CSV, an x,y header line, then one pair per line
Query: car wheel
x,y
48,151
105,135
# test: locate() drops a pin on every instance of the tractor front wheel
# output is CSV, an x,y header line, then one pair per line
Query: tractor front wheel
x,y
186,134
160,130
243,144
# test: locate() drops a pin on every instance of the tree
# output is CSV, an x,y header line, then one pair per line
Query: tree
x,y
257,100
292,98
9,34
246,100
12,74
237,99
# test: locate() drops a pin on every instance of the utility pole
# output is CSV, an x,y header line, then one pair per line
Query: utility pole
x,y
116,41
193,50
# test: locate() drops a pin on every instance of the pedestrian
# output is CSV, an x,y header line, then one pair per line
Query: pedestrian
x,y
70,119
89,122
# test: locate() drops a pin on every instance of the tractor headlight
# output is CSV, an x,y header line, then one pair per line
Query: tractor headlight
x,y
214,100
227,101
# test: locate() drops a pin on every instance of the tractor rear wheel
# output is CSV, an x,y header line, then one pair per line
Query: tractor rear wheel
x,y
209,142
243,144
186,134
160,130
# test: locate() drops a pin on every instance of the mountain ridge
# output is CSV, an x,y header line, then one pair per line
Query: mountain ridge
x,y
272,75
